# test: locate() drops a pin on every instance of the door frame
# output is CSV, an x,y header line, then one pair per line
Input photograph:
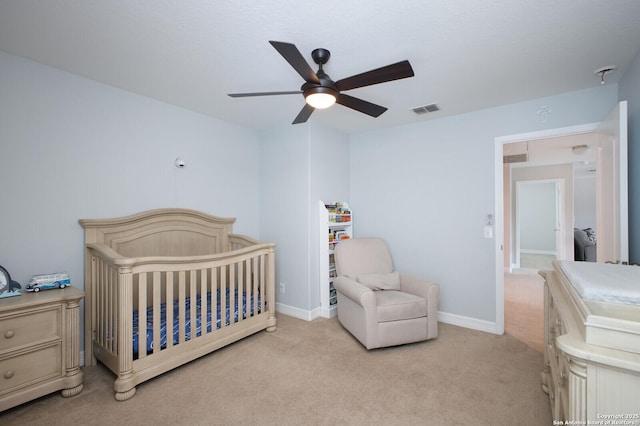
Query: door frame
x,y
499,143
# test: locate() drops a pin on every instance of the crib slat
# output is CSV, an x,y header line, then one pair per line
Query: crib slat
x,y
106,334
233,285
241,289
169,308
203,302
108,305
142,315
157,287
98,333
247,288
256,282
103,315
223,297
214,298
255,272
193,305
263,279
181,307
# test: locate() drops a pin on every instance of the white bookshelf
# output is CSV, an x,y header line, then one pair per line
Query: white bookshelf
x,y
335,225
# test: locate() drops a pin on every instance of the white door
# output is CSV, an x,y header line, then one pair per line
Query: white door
x,y
612,222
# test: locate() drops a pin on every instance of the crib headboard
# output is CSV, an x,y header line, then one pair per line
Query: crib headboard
x,y
161,232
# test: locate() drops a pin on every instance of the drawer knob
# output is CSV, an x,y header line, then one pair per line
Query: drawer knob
x,y
9,374
9,334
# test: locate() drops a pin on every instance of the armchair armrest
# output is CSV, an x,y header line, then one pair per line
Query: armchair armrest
x,y
428,290
360,294
419,287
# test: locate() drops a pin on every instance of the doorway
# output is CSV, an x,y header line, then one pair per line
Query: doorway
x,y
538,221
503,218
610,132
538,215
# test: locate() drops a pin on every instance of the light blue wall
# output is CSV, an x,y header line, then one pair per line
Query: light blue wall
x,y
285,210
72,148
629,90
329,168
537,210
428,187
300,165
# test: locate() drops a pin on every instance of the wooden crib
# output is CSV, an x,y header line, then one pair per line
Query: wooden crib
x,y
166,286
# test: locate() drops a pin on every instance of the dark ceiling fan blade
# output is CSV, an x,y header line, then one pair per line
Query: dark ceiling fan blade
x,y
360,105
379,75
304,114
244,95
292,55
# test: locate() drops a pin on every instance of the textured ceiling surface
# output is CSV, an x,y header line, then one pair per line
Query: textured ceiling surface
x,y
467,55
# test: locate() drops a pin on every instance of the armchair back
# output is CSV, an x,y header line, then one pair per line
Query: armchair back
x,y
362,256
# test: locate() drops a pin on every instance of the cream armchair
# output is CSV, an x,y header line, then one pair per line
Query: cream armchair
x,y
378,306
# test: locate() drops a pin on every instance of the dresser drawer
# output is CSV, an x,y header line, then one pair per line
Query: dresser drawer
x,y
30,368
30,328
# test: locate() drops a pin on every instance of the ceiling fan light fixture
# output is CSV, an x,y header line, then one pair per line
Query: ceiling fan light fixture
x,y
320,97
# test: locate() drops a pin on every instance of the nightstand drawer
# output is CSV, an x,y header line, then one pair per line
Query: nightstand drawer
x,y
30,368
30,328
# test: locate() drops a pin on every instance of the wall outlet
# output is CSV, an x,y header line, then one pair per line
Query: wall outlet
x,y
282,288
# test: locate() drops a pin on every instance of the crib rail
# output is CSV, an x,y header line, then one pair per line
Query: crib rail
x,y
237,241
140,294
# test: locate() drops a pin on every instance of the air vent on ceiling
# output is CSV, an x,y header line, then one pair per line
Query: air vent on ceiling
x,y
516,158
426,108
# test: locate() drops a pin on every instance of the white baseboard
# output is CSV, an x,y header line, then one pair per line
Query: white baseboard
x,y
468,322
550,252
447,318
297,312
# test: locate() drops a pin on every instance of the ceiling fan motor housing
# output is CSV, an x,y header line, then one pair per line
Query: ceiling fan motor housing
x,y
320,56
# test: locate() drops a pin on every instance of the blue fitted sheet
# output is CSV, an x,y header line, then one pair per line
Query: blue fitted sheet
x,y
188,319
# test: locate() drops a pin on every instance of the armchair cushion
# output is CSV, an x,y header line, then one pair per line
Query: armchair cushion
x,y
397,306
390,281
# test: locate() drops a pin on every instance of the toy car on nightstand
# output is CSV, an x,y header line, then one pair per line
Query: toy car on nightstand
x,y
48,281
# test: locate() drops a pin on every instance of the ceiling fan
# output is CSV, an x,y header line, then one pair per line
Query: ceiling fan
x,y
322,92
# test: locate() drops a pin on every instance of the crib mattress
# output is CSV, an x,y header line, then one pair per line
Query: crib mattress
x,y
188,319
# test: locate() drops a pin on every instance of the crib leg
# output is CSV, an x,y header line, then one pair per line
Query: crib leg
x,y
271,322
123,396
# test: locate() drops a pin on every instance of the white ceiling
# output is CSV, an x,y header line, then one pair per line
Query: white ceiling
x,y
466,54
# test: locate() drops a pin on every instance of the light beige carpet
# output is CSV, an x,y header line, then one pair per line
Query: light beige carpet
x,y
315,373
524,308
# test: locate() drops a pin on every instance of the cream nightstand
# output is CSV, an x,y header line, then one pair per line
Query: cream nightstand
x,y
39,345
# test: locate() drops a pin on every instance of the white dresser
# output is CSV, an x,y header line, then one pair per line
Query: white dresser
x,y
40,345
592,343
